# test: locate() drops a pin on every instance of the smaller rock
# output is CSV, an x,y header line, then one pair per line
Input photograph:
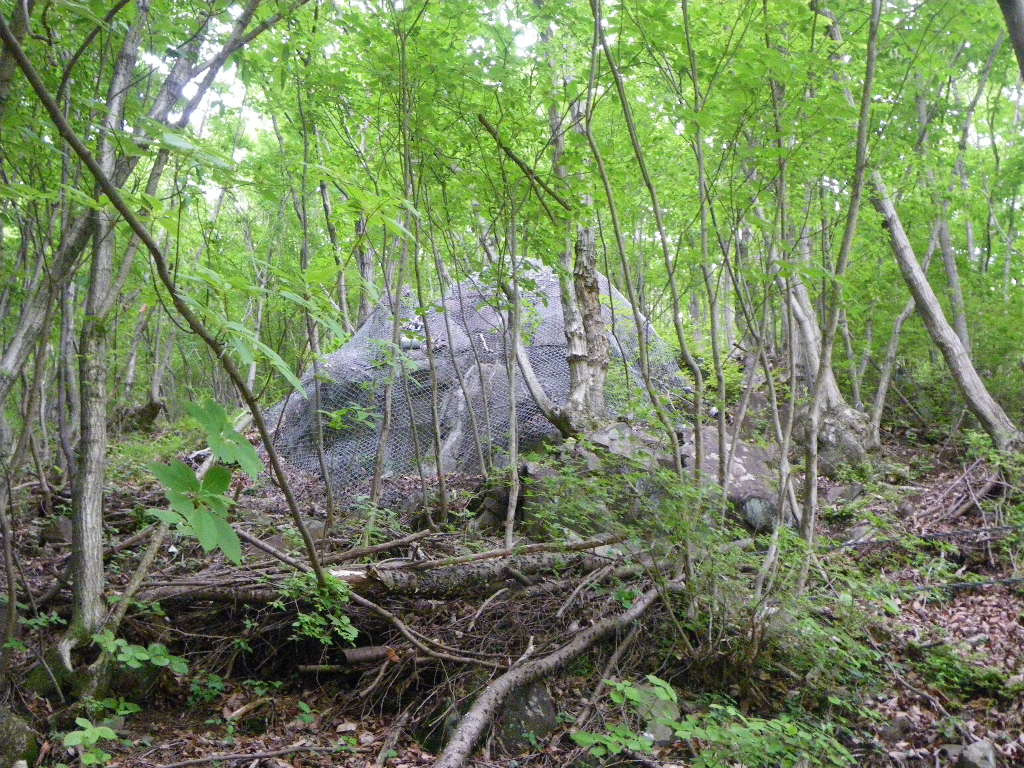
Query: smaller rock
x,y
655,709
844,493
980,754
57,530
898,728
18,743
529,715
862,532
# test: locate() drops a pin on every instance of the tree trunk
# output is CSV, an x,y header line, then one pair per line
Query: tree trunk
x,y
996,423
87,500
1013,14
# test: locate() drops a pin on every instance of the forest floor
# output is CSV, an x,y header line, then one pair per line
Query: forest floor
x,y
951,659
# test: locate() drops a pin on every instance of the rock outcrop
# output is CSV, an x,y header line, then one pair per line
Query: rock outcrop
x,y
462,340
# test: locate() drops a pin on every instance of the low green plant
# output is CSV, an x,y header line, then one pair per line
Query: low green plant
x,y
263,687
205,688
351,416
722,736
130,456
962,678
617,739
87,738
135,656
110,707
307,714
327,622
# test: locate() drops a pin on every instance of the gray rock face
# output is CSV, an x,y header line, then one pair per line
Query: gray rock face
x,y
528,717
17,741
749,487
980,754
841,439
473,392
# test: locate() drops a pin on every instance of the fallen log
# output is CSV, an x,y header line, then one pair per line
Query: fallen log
x,y
405,579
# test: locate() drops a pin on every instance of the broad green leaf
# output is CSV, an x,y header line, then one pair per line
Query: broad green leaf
x,y
204,525
175,476
217,480
228,541
166,515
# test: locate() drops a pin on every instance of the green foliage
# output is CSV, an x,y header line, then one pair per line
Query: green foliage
x,y
200,508
224,440
722,736
351,416
130,457
327,621
115,706
205,688
962,678
88,736
617,739
135,656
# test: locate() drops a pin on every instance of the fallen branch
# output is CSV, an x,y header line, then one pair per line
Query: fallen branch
x,y
473,724
600,541
463,579
234,758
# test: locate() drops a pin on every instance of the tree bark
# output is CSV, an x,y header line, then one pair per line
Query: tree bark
x,y
1013,14
993,418
87,500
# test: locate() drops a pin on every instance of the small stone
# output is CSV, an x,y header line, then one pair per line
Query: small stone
x,y
655,710
861,532
844,493
980,754
57,530
898,728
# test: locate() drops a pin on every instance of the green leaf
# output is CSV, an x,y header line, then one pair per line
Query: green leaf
x,y
73,739
228,540
204,525
177,141
217,480
166,515
246,456
175,476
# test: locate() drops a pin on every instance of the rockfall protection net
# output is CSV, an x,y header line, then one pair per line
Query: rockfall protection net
x,y
467,340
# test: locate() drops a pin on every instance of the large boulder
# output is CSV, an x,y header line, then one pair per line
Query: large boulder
x,y
528,717
466,332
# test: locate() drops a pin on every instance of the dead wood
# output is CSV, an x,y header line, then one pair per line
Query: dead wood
x,y
473,724
464,579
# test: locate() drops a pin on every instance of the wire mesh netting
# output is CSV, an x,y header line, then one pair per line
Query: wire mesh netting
x,y
470,390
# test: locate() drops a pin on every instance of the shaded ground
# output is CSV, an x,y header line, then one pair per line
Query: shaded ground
x,y
952,658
